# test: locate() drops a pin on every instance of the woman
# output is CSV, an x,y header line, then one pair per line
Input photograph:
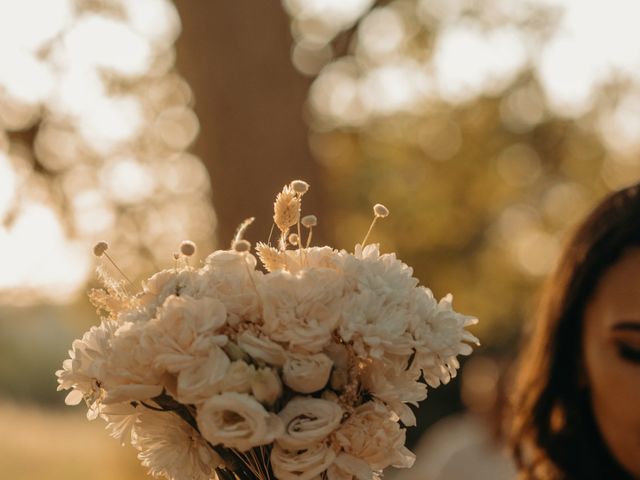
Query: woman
x,y
577,398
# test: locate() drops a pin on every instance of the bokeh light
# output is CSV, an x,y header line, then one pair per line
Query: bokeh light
x,y
94,123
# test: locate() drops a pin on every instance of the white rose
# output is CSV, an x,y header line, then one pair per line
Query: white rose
x,y
266,386
238,378
372,433
238,421
261,348
301,464
232,277
199,381
308,421
307,373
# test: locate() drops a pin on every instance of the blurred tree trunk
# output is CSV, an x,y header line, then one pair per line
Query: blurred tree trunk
x,y
236,57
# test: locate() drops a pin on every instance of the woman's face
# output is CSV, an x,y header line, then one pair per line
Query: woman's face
x,y
611,346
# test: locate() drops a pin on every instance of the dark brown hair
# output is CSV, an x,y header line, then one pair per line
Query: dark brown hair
x,y
553,431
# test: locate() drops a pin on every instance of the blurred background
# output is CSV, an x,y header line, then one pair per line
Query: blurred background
x,y
487,127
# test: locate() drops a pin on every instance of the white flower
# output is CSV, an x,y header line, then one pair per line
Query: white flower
x,y
238,421
373,434
381,308
302,310
348,467
121,418
266,386
439,337
184,330
306,373
261,348
238,378
84,370
128,371
231,277
396,383
308,421
170,447
165,283
201,379
303,464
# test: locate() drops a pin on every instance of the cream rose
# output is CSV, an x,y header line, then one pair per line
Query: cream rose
x,y
373,434
307,373
301,464
238,421
260,348
308,421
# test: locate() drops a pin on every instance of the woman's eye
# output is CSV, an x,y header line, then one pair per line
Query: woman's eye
x,y
629,353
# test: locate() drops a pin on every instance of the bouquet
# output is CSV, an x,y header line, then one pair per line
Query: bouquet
x,y
302,369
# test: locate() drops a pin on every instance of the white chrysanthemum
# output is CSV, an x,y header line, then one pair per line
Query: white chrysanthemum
x,y
372,433
121,418
170,447
84,370
302,310
380,307
231,277
395,382
439,338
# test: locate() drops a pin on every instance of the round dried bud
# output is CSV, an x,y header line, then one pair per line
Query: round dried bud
x,y
187,248
309,221
300,186
294,239
380,210
242,246
99,248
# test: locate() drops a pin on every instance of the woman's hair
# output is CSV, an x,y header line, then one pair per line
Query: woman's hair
x,y
553,430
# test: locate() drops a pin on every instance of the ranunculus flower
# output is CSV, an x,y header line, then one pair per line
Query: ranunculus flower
x,y
303,464
308,421
307,373
372,433
237,420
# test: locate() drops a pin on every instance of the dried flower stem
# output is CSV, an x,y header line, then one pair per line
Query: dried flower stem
x,y
118,268
364,240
